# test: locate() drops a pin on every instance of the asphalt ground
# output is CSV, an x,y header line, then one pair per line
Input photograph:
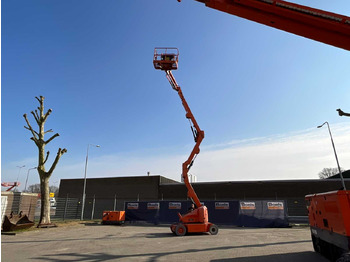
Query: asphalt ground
x,y
95,242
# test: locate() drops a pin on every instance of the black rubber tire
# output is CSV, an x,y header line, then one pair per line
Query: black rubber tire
x,y
172,227
344,258
180,230
316,244
213,229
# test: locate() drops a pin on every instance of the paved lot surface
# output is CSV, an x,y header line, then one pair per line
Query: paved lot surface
x,y
147,243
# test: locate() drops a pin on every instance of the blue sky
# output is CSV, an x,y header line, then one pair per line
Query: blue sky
x,y
248,85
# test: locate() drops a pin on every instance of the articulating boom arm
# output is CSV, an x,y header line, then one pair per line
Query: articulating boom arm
x,y
198,135
326,27
10,185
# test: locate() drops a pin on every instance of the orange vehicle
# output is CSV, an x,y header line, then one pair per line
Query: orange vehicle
x,y
113,217
166,59
329,217
10,185
326,27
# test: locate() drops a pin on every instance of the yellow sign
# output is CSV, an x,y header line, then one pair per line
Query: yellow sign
x,y
52,194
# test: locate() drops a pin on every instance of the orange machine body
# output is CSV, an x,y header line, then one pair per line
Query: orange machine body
x,y
195,221
329,217
113,217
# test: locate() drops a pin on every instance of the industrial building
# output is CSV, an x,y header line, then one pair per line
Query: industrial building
x,y
112,192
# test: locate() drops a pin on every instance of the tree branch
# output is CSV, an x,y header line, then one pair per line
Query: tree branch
x,y
47,156
58,156
31,130
50,130
35,141
47,114
37,114
342,113
51,138
35,117
41,107
35,138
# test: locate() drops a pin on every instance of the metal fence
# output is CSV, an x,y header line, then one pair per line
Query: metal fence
x,y
67,208
71,208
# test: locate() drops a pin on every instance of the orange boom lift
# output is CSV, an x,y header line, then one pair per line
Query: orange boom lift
x,y
166,59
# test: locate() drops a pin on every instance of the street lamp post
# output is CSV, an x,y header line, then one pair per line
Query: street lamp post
x,y
25,188
335,153
19,171
84,196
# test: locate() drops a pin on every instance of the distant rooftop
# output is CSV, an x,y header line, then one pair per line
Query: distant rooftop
x,y
346,174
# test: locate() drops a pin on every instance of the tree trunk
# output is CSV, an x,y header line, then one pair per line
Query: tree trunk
x,y
45,200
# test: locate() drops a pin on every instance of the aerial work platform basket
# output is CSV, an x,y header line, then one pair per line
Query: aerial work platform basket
x,y
165,58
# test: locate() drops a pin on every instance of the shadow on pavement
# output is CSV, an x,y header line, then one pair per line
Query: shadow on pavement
x,y
91,224
307,256
97,257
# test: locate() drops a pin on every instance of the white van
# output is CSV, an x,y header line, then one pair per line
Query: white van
x,y
52,202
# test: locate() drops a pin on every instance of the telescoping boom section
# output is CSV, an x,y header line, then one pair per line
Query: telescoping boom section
x,y
196,220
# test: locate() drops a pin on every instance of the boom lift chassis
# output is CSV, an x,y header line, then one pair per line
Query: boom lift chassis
x,y
166,59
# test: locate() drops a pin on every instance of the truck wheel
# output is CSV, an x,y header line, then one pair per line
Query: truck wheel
x,y
173,227
213,229
180,230
316,244
334,252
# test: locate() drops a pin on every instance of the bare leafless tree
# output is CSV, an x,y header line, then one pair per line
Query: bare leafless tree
x,y
54,189
328,172
33,188
38,137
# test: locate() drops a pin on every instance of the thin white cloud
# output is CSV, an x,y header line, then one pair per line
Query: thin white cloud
x,y
296,155
299,155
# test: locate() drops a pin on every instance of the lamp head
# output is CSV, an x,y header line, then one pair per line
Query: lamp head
x,y
322,124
